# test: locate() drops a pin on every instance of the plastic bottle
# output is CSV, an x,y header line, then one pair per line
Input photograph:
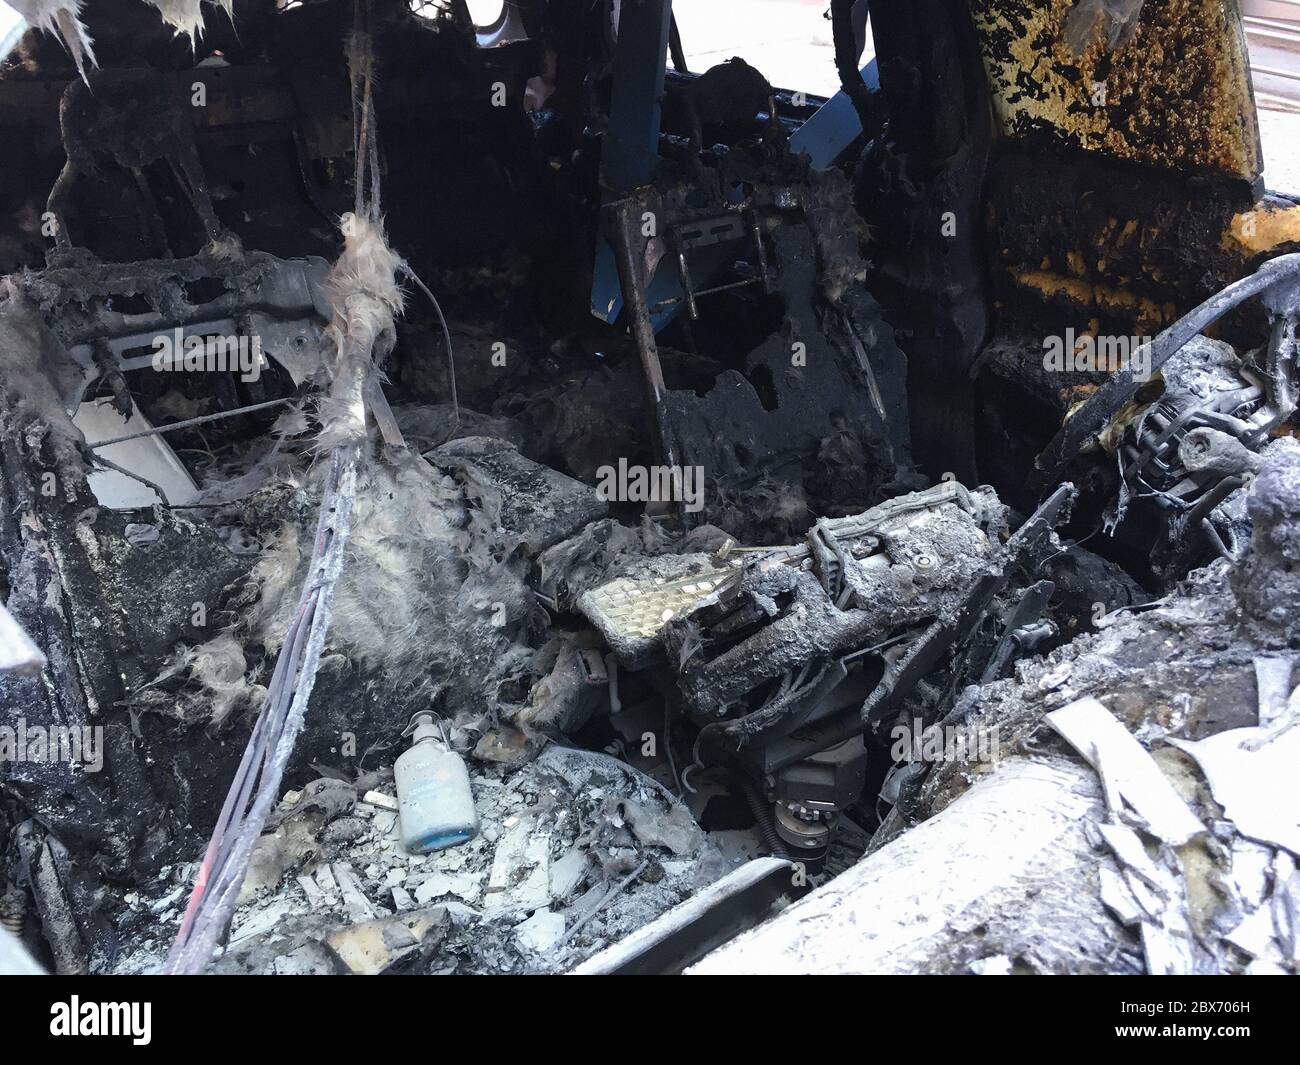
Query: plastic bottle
x,y
434,801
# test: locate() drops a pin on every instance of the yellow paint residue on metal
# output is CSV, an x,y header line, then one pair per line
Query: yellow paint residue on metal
x,y
1176,95
1263,228
1143,312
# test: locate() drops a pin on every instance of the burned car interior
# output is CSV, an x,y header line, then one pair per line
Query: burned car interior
x,y
486,490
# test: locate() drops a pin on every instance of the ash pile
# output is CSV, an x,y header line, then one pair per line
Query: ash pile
x,y
575,850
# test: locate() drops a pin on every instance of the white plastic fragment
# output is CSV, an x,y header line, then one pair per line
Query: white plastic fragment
x,y
1250,871
1254,934
997,965
380,800
1273,683
314,894
1127,771
567,873
1128,848
1286,906
17,651
1252,773
353,897
1117,897
1168,952
542,931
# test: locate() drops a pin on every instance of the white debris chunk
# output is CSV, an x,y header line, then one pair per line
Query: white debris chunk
x,y
325,880
463,885
1259,967
535,891
1168,952
380,800
1286,906
261,921
311,959
1127,847
314,894
675,829
520,877
567,873
1255,935
508,856
542,931
997,965
17,652
1252,775
1273,682
1150,902
1127,771
353,897
1250,870
1117,897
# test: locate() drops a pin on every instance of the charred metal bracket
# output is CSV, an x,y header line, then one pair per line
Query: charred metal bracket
x,y
829,561
902,675
800,638
922,654
707,232
281,301
1183,450
1024,630
1276,283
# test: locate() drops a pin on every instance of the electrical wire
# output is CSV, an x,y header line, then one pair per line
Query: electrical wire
x,y
256,786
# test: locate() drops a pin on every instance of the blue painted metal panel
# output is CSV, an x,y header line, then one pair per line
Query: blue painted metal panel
x,y
825,136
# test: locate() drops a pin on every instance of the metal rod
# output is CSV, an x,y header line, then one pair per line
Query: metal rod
x,y
157,488
203,420
607,898
624,220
